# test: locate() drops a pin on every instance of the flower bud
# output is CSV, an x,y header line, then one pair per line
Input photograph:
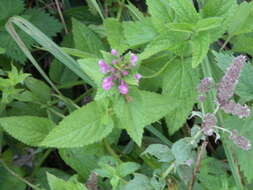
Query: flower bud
x,y
114,52
107,83
104,68
123,87
133,59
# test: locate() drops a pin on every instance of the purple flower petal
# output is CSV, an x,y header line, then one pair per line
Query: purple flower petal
x,y
138,76
107,83
114,52
104,68
123,87
133,59
125,73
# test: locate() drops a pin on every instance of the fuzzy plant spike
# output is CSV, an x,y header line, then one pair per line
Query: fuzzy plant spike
x,y
236,109
209,122
204,87
227,85
240,141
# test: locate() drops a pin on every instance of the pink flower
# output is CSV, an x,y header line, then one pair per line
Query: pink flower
x,y
104,68
138,76
123,87
240,141
236,109
107,83
133,59
125,73
114,52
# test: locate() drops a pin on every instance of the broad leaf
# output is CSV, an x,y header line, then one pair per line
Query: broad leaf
x,y
85,39
208,23
85,126
161,13
180,85
27,129
140,182
91,68
243,43
160,151
242,20
59,184
127,168
185,11
115,35
144,108
139,33
200,47
82,160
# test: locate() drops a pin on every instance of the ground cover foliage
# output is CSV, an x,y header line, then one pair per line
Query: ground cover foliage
x,y
120,95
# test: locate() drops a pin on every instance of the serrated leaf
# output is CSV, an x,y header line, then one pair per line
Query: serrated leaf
x,y
115,35
200,47
219,8
27,129
179,84
244,128
160,151
137,113
166,41
85,39
161,13
83,160
39,89
185,11
183,151
40,19
10,8
208,23
127,168
243,44
85,126
140,32
91,68
242,20
56,183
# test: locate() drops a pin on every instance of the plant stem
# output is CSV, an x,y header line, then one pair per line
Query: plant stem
x,y
121,7
19,177
225,43
234,168
111,151
169,169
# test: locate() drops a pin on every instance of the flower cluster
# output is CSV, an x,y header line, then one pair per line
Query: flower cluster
x,y
225,91
119,71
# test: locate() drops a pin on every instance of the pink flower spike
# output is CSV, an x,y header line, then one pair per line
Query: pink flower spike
x,y
138,76
125,73
133,59
104,68
123,87
107,83
114,62
114,52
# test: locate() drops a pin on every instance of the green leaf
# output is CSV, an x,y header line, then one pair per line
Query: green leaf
x,y
219,8
27,129
244,128
10,8
77,53
140,182
39,89
243,43
40,19
183,150
138,112
127,168
160,151
2,50
85,39
139,33
91,68
242,20
82,160
200,47
180,83
135,13
161,13
185,11
208,23
181,27
115,35
8,181
59,184
85,126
